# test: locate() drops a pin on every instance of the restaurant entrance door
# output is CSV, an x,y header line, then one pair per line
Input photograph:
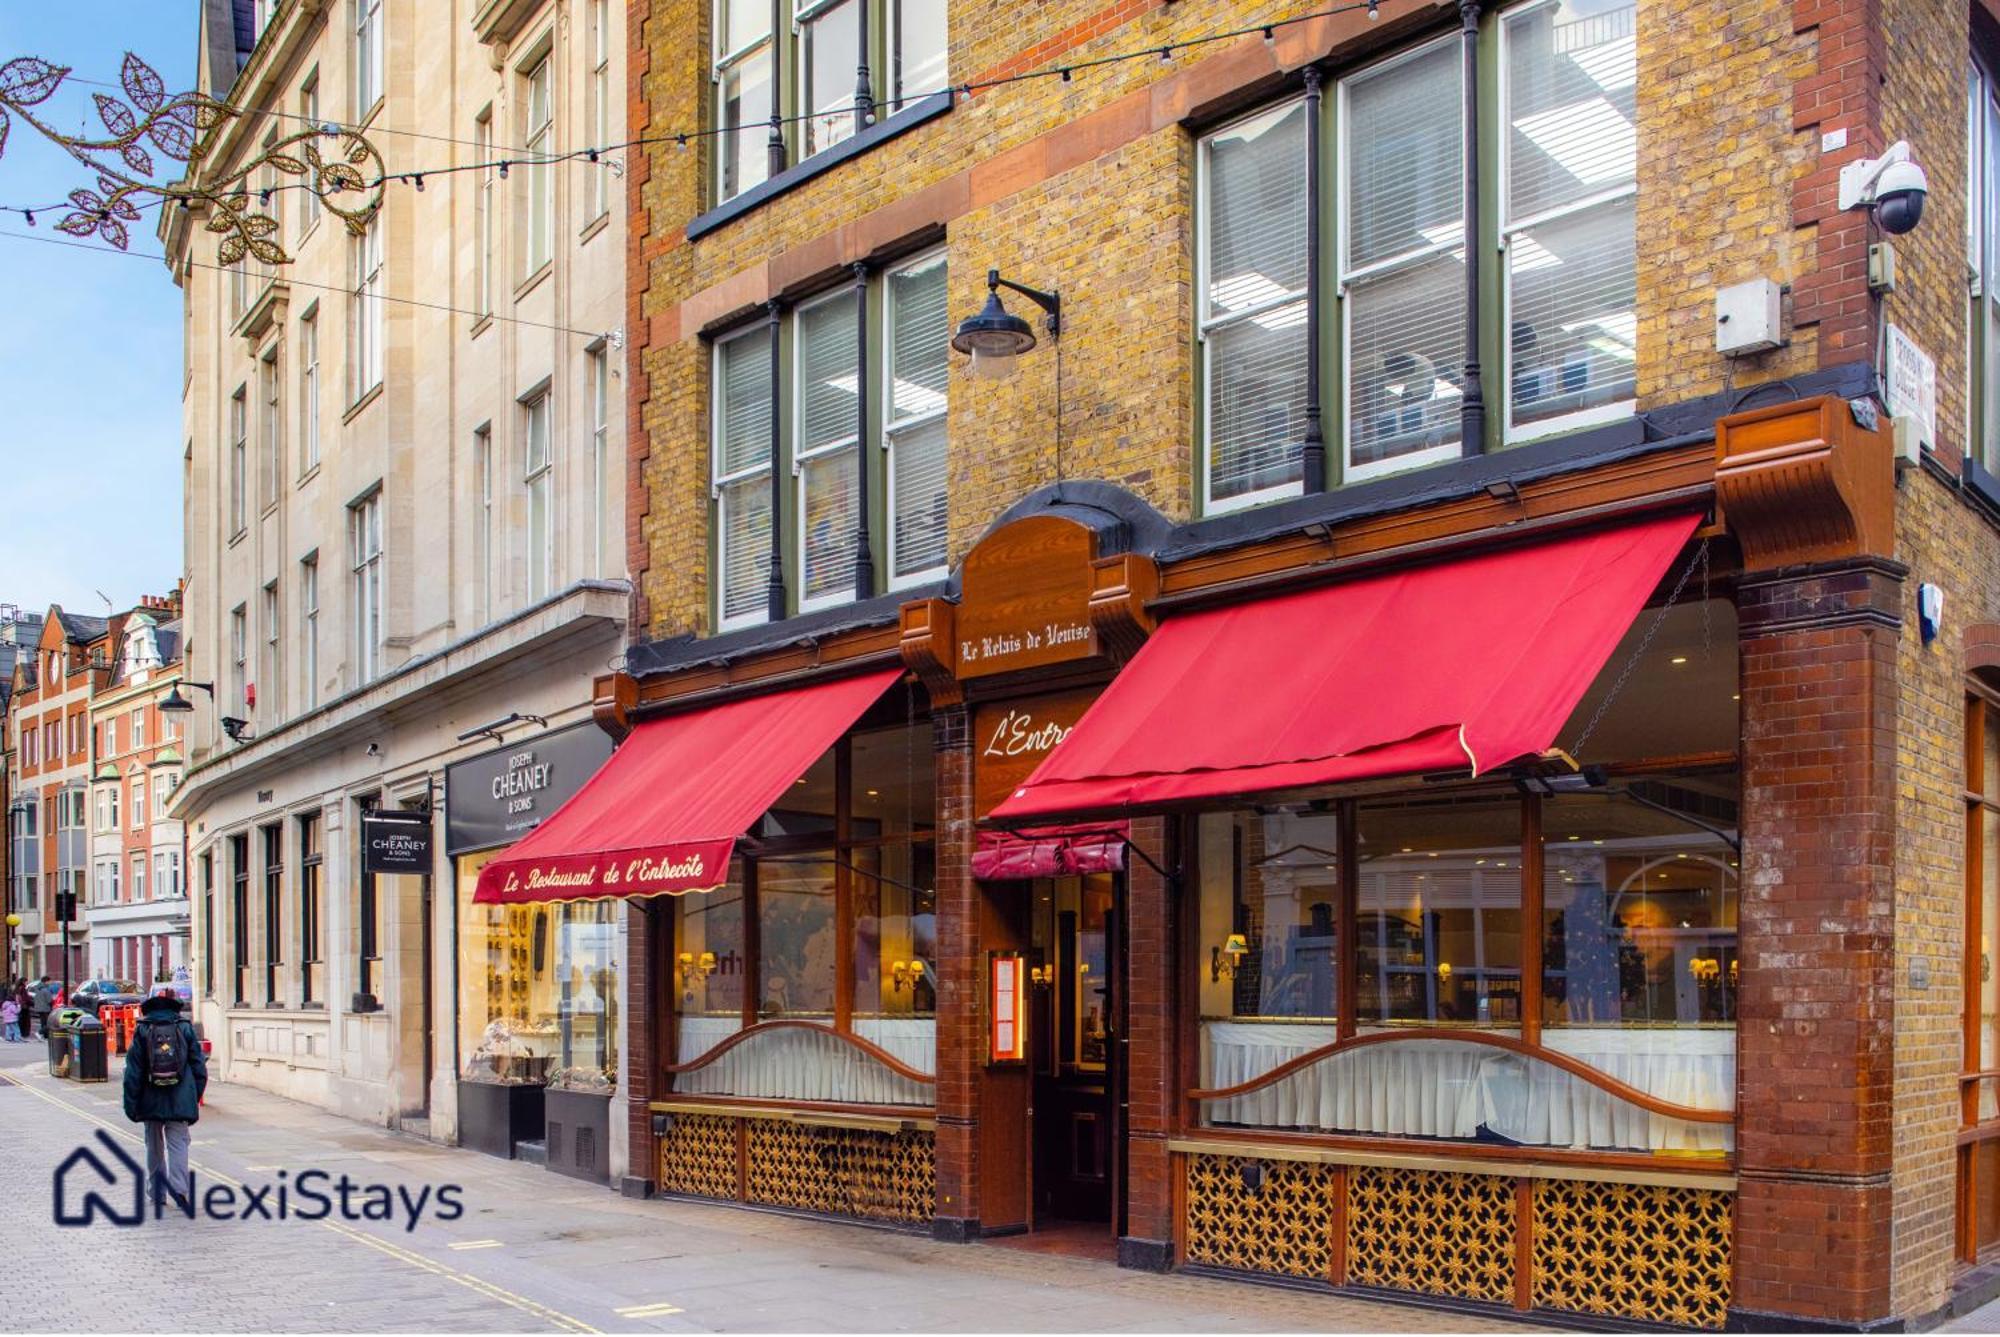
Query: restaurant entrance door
x,y
1074,1129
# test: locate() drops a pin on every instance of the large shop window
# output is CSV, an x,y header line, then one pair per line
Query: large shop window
x,y
823,944
814,392
1561,322
1522,968
809,75
1982,255
1979,1080
538,990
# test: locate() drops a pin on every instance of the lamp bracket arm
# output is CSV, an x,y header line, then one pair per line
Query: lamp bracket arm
x,y
1050,302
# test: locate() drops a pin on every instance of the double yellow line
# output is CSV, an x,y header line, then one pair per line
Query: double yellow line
x,y
553,1317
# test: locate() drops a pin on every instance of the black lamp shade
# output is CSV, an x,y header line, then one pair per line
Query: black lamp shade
x,y
994,332
176,704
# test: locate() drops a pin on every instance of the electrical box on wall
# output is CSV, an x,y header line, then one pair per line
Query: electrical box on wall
x,y
1747,318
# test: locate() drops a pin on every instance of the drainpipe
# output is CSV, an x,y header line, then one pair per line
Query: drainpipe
x,y
864,556
1472,406
1312,452
775,602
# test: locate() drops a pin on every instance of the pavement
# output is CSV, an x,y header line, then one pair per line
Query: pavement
x,y
530,1251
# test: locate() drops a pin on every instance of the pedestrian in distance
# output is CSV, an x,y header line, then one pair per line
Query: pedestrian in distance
x,y
42,998
10,1019
26,1002
165,1077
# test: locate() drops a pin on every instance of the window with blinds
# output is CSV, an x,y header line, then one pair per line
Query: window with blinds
x,y
1253,306
914,411
1402,281
1570,173
742,474
829,437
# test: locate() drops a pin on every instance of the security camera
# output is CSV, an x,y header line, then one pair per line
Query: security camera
x,y
1892,185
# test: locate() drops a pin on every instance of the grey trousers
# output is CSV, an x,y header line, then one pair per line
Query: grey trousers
x,y
166,1156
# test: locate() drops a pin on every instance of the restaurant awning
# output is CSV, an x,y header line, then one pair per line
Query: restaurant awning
x,y
663,815
1050,851
1470,663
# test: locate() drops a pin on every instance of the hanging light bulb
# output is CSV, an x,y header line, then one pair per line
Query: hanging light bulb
x,y
503,169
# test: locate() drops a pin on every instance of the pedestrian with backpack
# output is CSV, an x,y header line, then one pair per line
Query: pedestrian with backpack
x,y
165,1077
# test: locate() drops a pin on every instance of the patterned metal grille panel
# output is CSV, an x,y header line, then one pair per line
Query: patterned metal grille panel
x,y
843,1171
1433,1232
1261,1216
698,1156
1657,1254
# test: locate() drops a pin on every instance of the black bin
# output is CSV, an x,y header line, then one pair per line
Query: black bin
x,y
87,1050
61,1061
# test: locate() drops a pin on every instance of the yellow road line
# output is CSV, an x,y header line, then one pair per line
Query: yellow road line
x,y
416,1260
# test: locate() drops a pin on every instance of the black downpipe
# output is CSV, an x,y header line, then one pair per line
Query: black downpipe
x,y
1312,452
864,92
1472,406
775,604
774,148
864,554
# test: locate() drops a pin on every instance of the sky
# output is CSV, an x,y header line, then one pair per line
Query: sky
x,y
90,356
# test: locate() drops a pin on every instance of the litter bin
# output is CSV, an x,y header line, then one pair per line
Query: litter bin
x,y
88,1062
60,1058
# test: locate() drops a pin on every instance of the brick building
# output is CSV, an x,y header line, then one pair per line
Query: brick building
x,y
1393,747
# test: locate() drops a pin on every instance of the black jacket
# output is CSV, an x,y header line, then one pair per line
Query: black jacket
x,y
180,1103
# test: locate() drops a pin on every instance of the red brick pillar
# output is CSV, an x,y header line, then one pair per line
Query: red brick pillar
x,y
961,1026
640,1010
1151,1051
1815,1001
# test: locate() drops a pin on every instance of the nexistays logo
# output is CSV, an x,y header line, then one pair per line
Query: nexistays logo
x,y
104,1181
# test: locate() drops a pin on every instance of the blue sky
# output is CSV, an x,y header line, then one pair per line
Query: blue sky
x,y
90,360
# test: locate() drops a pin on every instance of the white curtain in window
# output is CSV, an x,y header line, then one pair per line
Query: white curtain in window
x,y
742,472
828,439
796,1064
1403,271
919,365
1253,304
1571,167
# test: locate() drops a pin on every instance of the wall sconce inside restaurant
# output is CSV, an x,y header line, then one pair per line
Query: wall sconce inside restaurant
x,y
1224,960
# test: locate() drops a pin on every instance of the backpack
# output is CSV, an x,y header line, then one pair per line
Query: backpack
x,y
165,1050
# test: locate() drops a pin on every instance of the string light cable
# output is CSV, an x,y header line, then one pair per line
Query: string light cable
x,y
327,178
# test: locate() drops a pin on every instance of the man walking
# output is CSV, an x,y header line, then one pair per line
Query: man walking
x,y
165,1076
42,998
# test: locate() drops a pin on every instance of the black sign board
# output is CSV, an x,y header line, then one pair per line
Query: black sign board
x,y
396,842
497,797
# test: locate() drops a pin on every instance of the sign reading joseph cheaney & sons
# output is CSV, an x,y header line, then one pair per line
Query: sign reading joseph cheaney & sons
x,y
497,797
394,841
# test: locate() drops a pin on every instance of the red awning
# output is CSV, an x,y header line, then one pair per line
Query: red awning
x,y
1471,663
664,813
1050,851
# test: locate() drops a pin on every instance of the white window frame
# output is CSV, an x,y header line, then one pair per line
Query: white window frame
x,y
719,479
805,14
239,649
309,627
482,277
599,19
309,407
239,460
726,62
270,368
538,142
310,207
135,808
272,670
365,53
1204,326
801,457
364,549
1350,472
538,483
364,314
1623,409
598,368
892,77
138,727
482,523
893,427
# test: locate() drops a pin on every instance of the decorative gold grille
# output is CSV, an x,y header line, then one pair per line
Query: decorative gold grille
x,y
1261,1216
698,1156
843,1171
1429,1231
1657,1254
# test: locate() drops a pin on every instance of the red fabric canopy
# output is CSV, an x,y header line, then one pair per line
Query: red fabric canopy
x,y
664,813
1050,851
1471,663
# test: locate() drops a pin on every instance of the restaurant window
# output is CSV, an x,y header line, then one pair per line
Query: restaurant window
x,y
1979,1090
274,914
844,867
742,474
1392,310
914,403
1596,924
312,865
820,45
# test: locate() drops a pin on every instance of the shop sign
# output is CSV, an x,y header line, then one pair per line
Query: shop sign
x,y
396,842
1025,598
497,797
1011,738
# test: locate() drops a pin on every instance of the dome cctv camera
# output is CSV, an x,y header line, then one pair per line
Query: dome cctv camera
x,y
1899,197
1892,185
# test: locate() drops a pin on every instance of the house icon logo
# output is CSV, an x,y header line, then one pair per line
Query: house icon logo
x,y
88,1183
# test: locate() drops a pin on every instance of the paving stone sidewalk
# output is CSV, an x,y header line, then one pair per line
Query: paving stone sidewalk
x,y
535,1252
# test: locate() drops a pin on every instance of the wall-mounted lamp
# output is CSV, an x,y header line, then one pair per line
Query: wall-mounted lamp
x,y
173,703
1224,961
905,972
1042,975
696,968
996,336
1444,972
